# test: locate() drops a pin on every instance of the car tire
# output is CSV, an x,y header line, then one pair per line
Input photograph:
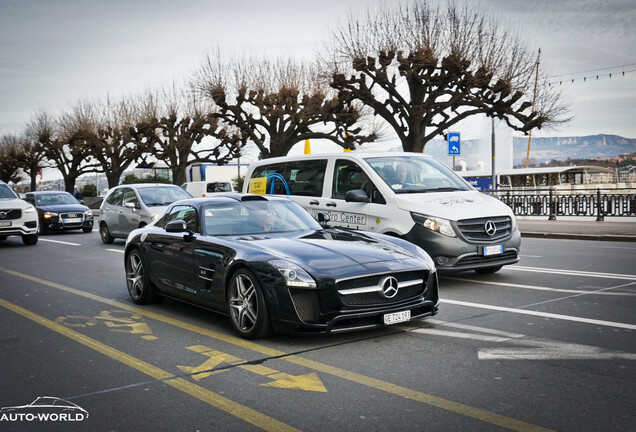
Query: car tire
x,y
87,229
137,280
30,239
246,304
105,234
488,270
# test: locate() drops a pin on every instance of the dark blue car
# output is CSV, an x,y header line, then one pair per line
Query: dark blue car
x,y
60,211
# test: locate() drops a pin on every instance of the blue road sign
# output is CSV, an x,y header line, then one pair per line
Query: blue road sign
x,y
454,146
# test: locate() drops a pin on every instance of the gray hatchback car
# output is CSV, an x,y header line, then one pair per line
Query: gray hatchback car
x,y
128,207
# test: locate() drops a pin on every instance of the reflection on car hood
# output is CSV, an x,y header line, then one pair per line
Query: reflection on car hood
x,y
79,208
337,252
454,205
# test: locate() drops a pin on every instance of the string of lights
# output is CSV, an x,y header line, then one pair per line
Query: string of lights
x,y
593,74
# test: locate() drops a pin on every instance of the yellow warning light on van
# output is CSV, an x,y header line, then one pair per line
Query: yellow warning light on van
x,y
258,186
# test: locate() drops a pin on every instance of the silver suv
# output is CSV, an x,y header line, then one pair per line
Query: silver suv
x,y
128,207
17,217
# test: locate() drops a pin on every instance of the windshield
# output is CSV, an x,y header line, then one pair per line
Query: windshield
x,y
162,195
6,192
414,174
256,217
55,199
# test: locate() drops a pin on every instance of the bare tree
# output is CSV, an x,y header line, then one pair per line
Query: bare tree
x,y
10,147
65,139
111,143
278,103
174,125
31,158
424,69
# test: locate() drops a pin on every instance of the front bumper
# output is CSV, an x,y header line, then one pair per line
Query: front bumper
x,y
453,254
320,311
57,224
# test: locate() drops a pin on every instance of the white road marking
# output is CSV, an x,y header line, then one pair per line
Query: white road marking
x,y
530,256
527,348
540,288
115,250
58,241
545,350
542,314
572,272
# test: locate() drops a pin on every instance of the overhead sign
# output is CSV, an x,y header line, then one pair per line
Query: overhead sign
x,y
454,145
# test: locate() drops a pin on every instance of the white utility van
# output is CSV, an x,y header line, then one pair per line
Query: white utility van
x,y
410,195
203,188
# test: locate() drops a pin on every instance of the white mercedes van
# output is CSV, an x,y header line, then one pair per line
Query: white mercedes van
x,y
410,195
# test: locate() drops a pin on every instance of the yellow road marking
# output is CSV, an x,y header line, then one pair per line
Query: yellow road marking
x,y
308,382
249,415
456,407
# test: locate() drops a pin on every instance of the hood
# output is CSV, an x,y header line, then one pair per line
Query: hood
x,y
59,208
338,253
453,205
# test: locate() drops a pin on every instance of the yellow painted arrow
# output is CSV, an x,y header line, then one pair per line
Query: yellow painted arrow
x,y
307,382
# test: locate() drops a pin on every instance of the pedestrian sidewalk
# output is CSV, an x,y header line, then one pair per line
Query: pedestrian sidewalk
x,y
614,230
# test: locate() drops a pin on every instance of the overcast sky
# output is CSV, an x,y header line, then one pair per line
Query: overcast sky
x,y
55,52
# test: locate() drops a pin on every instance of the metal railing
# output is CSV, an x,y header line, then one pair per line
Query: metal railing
x,y
580,202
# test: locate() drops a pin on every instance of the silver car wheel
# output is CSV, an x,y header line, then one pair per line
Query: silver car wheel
x,y
135,276
243,303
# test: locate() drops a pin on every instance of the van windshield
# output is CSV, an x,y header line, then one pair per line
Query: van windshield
x,y
416,174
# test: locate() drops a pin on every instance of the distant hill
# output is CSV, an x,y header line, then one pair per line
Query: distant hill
x,y
543,150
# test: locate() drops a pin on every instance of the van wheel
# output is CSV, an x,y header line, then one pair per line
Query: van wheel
x,y
106,237
488,270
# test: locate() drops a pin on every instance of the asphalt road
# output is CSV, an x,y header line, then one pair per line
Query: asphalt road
x,y
547,344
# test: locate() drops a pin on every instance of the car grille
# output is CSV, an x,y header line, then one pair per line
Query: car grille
x,y
475,229
10,214
306,304
478,259
74,215
376,297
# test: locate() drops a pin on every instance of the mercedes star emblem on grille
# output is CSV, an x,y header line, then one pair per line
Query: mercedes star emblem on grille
x,y
389,286
490,228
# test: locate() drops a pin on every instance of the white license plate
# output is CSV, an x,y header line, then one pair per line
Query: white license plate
x,y
493,250
72,220
5,223
397,317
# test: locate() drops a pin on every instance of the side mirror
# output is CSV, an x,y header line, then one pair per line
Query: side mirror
x,y
180,226
177,226
356,195
323,219
82,202
130,204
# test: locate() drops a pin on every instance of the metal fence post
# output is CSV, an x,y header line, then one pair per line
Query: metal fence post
x,y
599,210
551,205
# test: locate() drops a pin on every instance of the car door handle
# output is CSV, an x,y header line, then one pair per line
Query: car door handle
x,y
313,203
331,204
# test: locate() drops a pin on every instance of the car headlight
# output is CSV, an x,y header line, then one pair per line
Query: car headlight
x,y
88,213
29,209
293,274
442,226
49,215
421,254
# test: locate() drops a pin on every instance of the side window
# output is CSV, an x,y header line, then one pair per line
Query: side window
x,y
306,177
115,197
185,213
348,176
30,199
276,181
129,196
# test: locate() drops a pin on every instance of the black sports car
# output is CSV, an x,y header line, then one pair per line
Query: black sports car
x,y
59,211
266,263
